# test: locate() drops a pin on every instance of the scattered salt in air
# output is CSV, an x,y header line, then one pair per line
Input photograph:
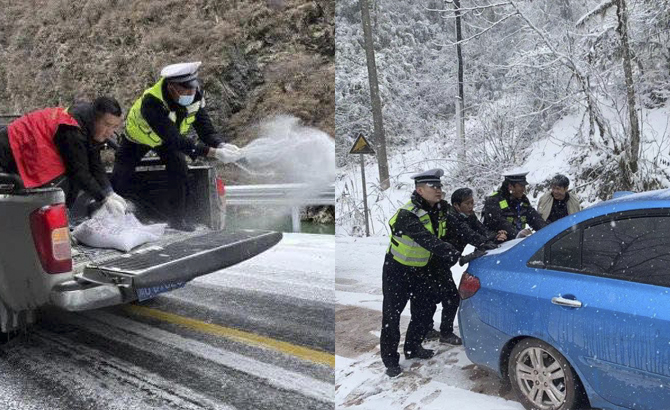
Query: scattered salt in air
x,y
288,151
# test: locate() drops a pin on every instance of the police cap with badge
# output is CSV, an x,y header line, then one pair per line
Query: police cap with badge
x,y
431,177
516,177
184,74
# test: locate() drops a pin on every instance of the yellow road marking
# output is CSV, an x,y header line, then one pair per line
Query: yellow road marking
x,y
301,352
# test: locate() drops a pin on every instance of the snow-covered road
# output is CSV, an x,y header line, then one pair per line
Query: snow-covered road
x,y
259,335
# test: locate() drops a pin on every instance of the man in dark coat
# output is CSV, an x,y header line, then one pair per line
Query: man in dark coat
x,y
61,147
508,209
463,229
463,208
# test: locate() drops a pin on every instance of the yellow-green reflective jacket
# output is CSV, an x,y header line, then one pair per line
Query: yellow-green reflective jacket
x,y
403,248
139,131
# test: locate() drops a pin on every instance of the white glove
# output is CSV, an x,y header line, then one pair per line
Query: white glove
x,y
119,198
524,232
227,155
115,206
230,147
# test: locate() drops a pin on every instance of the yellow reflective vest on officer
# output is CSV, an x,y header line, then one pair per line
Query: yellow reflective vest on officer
x,y
508,212
139,131
403,248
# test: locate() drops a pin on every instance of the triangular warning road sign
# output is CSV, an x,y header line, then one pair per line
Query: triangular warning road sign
x,y
361,146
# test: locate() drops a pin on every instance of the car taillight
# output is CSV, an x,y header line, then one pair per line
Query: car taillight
x,y
52,238
220,187
469,285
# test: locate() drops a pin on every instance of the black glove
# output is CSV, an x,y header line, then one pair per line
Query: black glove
x,y
451,258
471,256
487,246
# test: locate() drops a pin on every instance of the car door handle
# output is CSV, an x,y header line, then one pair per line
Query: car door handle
x,y
557,300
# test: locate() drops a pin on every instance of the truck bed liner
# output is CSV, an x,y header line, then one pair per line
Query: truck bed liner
x,y
83,255
163,266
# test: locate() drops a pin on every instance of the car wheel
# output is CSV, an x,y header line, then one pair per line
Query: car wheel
x,y
542,378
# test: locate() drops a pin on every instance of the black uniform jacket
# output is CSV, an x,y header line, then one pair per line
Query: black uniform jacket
x,y
495,218
445,248
157,116
475,225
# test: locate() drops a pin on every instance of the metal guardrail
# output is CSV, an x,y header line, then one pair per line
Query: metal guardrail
x,y
279,194
294,196
5,119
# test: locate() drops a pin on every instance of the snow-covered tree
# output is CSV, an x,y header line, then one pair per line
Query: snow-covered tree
x,y
526,65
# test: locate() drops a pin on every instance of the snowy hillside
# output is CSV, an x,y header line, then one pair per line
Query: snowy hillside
x,y
560,152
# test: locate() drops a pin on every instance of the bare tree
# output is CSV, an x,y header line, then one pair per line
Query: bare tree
x,y
379,140
622,29
629,163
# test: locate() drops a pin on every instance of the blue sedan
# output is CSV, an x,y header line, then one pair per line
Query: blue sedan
x,y
578,314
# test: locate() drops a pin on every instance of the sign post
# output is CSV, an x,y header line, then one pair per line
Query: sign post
x,y
362,147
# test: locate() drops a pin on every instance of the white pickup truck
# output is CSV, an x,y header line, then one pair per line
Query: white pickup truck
x,y
40,267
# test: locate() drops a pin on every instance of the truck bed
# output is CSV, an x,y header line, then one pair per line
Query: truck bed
x,y
171,262
83,255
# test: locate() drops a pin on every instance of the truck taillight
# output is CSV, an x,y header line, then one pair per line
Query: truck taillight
x,y
469,285
220,187
52,238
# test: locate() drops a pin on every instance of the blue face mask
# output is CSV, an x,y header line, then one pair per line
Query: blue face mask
x,y
185,100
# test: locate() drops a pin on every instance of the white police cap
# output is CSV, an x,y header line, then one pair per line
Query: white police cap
x,y
432,175
186,74
516,176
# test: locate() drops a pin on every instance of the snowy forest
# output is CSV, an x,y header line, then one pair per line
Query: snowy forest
x,y
602,66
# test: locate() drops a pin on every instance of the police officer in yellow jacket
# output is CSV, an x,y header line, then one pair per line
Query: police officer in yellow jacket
x,y
160,120
417,249
508,209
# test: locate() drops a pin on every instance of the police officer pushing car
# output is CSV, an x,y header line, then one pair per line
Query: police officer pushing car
x,y
417,250
508,209
160,120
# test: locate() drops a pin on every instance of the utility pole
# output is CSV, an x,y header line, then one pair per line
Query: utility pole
x,y
380,139
365,196
362,147
460,100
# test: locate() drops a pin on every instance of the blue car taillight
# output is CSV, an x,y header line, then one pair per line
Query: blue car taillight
x,y
469,285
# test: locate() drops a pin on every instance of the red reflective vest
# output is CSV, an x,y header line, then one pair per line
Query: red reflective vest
x,y
32,140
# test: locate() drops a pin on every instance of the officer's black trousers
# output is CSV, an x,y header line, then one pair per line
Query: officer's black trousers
x,y
401,284
447,294
129,155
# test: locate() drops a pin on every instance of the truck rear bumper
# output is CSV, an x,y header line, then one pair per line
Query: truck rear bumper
x,y
74,296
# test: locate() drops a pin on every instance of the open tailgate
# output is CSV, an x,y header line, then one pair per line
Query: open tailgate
x,y
158,269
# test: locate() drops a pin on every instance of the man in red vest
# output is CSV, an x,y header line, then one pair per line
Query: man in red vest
x,y
61,147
